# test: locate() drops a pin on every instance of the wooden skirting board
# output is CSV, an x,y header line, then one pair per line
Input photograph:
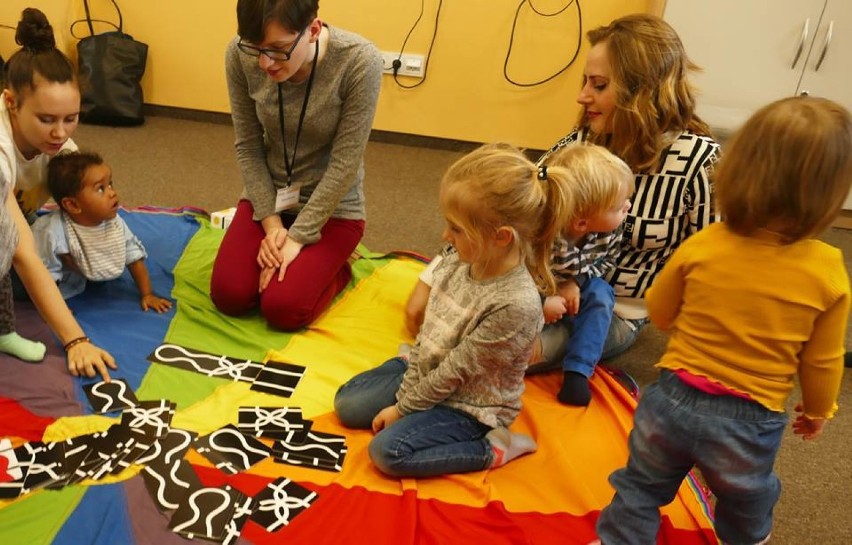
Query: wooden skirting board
x,y
844,220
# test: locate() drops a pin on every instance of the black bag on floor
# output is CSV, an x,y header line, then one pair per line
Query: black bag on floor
x,y
111,65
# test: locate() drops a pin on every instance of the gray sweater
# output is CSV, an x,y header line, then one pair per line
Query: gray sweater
x,y
329,162
474,344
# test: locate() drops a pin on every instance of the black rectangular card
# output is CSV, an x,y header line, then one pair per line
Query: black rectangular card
x,y
107,397
230,450
212,365
281,501
278,378
206,512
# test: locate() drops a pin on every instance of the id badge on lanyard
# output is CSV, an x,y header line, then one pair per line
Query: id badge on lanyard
x,y
288,197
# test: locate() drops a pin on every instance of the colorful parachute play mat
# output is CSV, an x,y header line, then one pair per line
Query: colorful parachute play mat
x,y
550,497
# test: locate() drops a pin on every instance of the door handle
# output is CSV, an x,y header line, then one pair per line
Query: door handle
x,y
802,40
825,45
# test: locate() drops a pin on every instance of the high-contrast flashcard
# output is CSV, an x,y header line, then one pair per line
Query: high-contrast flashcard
x,y
206,512
277,504
151,417
107,397
169,484
278,378
320,450
230,450
212,365
281,423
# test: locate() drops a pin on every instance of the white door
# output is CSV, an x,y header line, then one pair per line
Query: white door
x,y
828,70
747,51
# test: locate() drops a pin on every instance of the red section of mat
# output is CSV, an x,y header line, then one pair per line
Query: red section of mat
x,y
16,421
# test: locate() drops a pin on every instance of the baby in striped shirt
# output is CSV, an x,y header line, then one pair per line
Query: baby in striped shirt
x,y
86,240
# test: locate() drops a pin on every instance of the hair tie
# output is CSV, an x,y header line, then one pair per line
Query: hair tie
x,y
542,172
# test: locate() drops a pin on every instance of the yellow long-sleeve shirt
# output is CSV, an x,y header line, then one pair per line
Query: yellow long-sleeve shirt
x,y
751,312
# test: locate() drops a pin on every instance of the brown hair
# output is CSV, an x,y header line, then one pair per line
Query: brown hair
x,y
788,169
653,95
254,15
496,185
38,55
596,177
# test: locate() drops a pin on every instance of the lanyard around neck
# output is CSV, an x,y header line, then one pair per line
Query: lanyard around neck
x,y
289,166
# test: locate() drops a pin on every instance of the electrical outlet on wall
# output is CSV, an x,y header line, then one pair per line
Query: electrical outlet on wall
x,y
411,65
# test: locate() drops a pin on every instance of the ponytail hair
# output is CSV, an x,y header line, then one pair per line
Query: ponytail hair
x,y
37,56
497,186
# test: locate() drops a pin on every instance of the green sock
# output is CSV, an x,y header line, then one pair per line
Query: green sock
x,y
24,349
507,445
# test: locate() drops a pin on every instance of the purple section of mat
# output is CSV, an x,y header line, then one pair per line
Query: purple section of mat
x,y
46,388
150,525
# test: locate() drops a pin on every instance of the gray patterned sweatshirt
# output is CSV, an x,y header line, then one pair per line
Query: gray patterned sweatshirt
x,y
329,162
474,344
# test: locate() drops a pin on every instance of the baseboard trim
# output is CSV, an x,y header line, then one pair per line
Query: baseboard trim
x,y
844,220
385,137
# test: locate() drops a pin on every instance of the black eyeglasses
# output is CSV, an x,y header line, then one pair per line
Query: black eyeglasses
x,y
272,54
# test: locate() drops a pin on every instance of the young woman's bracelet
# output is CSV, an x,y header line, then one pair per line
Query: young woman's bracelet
x,y
74,342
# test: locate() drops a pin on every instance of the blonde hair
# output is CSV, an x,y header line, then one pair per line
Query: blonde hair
x,y
788,169
652,91
496,185
596,178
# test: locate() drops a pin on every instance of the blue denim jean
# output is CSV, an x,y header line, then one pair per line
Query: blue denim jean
x,y
733,441
437,441
574,342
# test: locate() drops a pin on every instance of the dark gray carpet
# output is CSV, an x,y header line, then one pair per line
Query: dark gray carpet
x,y
173,162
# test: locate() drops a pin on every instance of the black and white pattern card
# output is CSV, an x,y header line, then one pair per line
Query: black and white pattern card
x,y
206,512
212,365
278,378
231,451
320,450
150,417
277,504
46,467
12,471
281,423
242,512
107,397
169,484
168,448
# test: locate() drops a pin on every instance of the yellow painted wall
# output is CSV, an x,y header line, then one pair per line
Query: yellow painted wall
x,y
465,96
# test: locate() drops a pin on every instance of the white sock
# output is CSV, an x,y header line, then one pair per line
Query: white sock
x,y
507,445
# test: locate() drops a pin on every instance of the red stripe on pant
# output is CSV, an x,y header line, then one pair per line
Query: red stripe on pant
x,y
320,271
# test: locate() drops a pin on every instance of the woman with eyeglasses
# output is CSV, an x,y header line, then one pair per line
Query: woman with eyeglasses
x,y
303,95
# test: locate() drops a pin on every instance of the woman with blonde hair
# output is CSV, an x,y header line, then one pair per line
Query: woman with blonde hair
x,y
638,103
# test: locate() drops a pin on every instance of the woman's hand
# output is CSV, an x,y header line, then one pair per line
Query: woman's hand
x,y
86,359
289,253
269,254
385,418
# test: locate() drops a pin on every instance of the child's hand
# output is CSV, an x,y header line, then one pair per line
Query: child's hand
x,y
554,308
571,292
155,302
385,418
808,428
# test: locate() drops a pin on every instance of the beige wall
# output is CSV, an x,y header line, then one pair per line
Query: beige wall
x,y
465,96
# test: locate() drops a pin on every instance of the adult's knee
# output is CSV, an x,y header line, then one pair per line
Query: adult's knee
x,y
286,314
232,299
